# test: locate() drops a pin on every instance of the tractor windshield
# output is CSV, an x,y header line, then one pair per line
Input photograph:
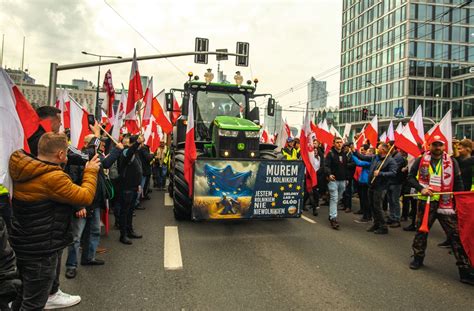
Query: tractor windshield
x,y
213,104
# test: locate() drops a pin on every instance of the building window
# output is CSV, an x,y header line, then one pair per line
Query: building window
x,y
469,87
468,108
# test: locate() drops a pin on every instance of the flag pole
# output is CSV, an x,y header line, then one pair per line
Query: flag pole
x,y
380,166
108,135
434,193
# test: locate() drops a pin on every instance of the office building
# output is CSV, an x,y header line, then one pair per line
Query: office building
x,y
399,54
317,94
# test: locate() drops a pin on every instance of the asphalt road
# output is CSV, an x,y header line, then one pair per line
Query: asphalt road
x,y
289,264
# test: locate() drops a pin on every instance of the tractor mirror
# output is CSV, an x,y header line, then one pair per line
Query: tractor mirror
x,y
271,107
169,101
254,115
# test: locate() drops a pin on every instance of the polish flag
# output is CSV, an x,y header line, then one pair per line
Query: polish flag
x,y
390,132
63,103
323,135
119,116
152,139
18,121
79,124
264,139
147,101
158,110
105,121
334,131
426,146
416,126
383,137
190,154
443,131
135,93
108,103
283,135
398,130
371,132
406,141
307,151
176,111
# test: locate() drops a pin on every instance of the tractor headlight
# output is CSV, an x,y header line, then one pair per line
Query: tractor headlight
x,y
252,134
228,133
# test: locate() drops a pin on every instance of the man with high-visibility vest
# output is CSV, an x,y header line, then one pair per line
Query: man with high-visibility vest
x,y
290,152
434,172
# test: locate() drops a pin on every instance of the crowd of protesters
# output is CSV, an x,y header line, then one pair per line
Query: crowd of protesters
x,y
60,196
384,176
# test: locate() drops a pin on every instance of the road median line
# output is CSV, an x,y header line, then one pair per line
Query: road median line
x,y
172,253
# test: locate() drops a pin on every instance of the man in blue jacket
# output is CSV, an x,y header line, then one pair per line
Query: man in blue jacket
x,y
382,169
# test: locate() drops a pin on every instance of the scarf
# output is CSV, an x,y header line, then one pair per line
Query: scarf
x,y
447,180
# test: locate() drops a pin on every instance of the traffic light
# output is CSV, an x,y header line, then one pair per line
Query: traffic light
x,y
242,48
365,114
201,45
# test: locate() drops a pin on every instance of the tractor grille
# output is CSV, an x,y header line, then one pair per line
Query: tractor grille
x,y
230,144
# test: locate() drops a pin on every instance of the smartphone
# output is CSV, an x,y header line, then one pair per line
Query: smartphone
x,y
91,119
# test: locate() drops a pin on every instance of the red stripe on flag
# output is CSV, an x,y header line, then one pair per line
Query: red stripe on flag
x,y
465,213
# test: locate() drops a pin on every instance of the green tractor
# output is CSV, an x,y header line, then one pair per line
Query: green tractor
x,y
227,137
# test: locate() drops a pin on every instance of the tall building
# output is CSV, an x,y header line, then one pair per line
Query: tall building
x,y
317,94
399,54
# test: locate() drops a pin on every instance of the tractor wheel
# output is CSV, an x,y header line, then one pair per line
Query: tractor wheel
x,y
182,202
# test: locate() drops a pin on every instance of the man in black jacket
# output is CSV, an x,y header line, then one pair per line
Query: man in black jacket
x,y
395,189
382,169
130,169
335,166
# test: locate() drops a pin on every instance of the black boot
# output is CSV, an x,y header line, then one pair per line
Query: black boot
x,y
125,240
466,275
373,228
133,235
416,263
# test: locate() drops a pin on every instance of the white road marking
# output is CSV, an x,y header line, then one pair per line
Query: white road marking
x,y
308,219
172,255
168,200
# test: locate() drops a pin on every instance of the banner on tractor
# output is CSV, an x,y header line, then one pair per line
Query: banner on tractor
x,y
245,189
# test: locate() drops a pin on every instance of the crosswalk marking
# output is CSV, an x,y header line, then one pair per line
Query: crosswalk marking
x,y
172,253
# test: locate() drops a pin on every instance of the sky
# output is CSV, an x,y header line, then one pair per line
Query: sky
x,y
290,41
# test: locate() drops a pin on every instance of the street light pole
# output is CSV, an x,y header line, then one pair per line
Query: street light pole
x,y
437,108
97,106
375,94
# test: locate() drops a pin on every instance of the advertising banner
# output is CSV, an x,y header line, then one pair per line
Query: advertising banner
x,y
244,189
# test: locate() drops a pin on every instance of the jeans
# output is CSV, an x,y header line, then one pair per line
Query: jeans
x,y
162,176
142,192
376,198
38,275
336,189
128,198
77,225
393,196
94,234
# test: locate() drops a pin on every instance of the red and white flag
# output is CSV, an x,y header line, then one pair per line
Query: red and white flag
x,y
147,101
371,132
176,111
360,139
63,103
108,103
158,110
79,124
190,153
334,131
443,131
18,121
407,142
323,135
398,130
390,132
465,213
383,137
105,121
264,138
416,126
135,93
119,116
426,146
283,136
307,151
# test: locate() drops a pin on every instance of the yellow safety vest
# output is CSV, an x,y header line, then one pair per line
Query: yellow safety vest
x,y
432,172
292,156
3,190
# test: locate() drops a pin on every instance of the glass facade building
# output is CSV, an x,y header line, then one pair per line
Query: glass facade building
x,y
405,53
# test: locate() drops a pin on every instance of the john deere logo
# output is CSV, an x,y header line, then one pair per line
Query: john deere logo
x,y
240,146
